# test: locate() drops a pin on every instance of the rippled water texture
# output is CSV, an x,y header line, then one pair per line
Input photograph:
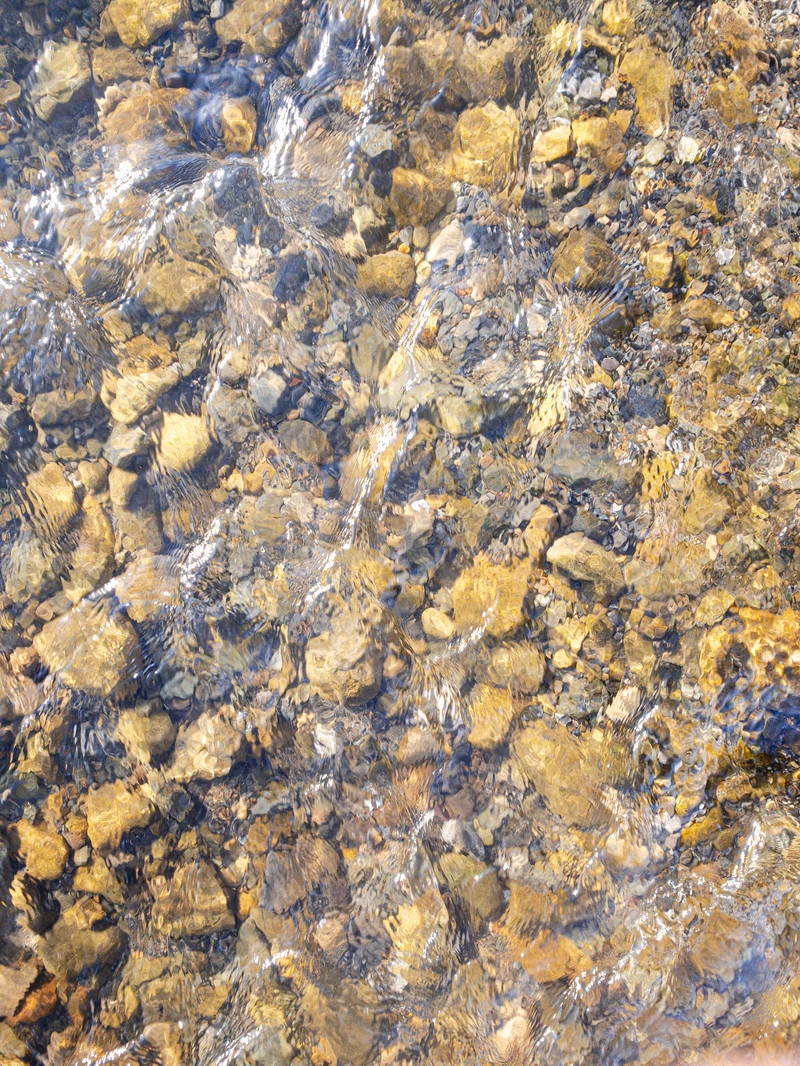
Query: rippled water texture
x,y
399,495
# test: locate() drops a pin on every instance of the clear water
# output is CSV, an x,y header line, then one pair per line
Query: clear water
x,y
317,744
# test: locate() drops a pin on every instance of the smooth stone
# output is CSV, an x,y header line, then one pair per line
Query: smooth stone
x,y
475,883
268,390
14,983
125,444
731,98
51,498
44,850
485,145
191,902
72,945
651,74
416,199
140,22
263,26
517,666
62,73
585,259
387,274
490,596
179,287
136,394
238,123
583,559
492,711
114,809
115,64
437,625
98,879
205,749
91,562
306,440
91,650
343,664
145,735
61,407
184,441
553,144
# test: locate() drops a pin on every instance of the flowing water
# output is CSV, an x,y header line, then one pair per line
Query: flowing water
x,y
399,495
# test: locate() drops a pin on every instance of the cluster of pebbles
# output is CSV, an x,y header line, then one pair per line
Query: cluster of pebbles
x,y
399,538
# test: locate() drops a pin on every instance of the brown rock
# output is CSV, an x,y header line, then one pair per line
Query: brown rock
x,y
112,810
51,499
136,394
555,143
585,259
306,441
600,138
91,650
492,596
343,664
238,123
205,749
263,26
485,146
61,74
475,883
731,98
492,711
92,561
551,956
44,850
138,112
553,761
414,198
99,880
184,441
387,274
140,22
659,264
190,903
179,287
115,64
14,983
740,41
72,945
650,72
583,559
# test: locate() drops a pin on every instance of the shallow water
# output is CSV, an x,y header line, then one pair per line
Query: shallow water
x,y
399,653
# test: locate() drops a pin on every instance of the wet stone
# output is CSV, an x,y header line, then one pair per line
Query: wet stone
x,y
183,442
263,28
650,73
583,559
387,274
44,850
73,944
306,441
205,749
343,664
485,145
190,903
414,198
62,74
490,596
114,809
140,22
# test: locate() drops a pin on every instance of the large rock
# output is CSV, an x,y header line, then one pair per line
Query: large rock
x,y
190,903
44,850
739,39
306,441
205,749
180,287
62,73
263,26
343,664
92,560
485,146
184,441
650,72
387,274
490,596
553,761
414,198
138,393
114,809
140,22
585,259
91,650
583,559
73,945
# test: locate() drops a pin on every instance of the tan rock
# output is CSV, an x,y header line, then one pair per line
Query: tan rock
x,y
650,72
585,259
599,138
490,596
51,499
416,199
72,945
92,650
551,956
437,624
583,559
144,734
92,560
485,146
553,761
555,143
205,749
184,441
387,274
540,533
475,883
179,287
739,39
618,17
98,879
138,393
140,22
139,112
491,711
238,123
659,264
263,26
44,850
518,666
769,638
115,64
191,902
731,98
61,74
112,810
14,983
306,441
343,664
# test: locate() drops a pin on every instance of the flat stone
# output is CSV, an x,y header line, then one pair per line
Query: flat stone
x,y
490,596
51,498
205,749
552,956
492,711
583,559
115,64
184,441
238,125
585,259
475,883
569,790
14,983
387,274
600,138
739,39
555,143
191,902
114,809
98,879
518,666
92,560
437,624
44,850
343,664
416,199
731,98
91,650
62,74
485,145
145,735
72,945
136,394
263,26
179,286
140,22
306,441
651,74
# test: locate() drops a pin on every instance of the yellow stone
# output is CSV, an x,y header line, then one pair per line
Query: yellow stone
x,y
490,596
555,143
485,145
659,264
650,73
140,22
492,712
43,849
731,98
184,441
